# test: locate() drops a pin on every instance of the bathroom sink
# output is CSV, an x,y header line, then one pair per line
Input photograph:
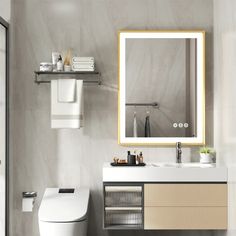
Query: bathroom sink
x,y
184,165
166,172
199,165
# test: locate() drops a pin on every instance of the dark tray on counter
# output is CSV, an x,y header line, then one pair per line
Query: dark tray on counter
x,y
126,164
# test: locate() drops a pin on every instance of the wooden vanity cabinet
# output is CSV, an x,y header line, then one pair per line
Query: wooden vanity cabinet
x,y
185,206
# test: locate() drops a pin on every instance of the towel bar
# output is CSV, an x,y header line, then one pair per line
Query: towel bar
x,y
70,74
153,104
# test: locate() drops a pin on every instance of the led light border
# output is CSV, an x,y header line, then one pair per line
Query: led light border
x,y
200,37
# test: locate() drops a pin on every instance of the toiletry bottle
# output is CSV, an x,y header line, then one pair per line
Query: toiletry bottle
x,y
131,159
128,156
60,64
136,157
140,157
138,160
55,56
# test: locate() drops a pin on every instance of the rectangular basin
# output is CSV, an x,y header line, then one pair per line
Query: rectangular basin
x,y
184,165
165,172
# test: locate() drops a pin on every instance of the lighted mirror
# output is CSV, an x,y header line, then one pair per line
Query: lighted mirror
x,y
161,87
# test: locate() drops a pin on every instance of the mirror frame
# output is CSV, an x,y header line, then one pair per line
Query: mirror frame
x,y
162,141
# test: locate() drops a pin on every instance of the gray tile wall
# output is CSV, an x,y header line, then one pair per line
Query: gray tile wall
x,y
42,157
5,9
224,96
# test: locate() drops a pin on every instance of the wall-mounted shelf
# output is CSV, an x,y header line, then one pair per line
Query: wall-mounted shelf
x,y
86,76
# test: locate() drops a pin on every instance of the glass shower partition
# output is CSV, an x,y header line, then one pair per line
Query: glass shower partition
x,y
3,127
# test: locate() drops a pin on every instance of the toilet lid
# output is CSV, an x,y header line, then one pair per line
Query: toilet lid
x,y
64,205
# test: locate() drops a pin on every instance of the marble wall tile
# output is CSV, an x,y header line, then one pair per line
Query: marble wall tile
x,y
5,10
42,157
224,97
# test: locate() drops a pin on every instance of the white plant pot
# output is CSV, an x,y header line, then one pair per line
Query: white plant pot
x,y
205,158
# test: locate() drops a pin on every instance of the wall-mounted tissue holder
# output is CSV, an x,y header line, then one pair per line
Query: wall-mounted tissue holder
x,y
28,199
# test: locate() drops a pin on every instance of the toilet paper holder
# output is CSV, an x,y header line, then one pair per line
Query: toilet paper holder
x,y
28,199
29,194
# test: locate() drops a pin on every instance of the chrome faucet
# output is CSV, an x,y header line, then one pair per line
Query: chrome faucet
x,y
178,152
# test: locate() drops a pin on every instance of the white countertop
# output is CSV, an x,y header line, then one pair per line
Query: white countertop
x,y
161,172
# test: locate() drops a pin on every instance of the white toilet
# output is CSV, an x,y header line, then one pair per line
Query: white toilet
x,y
64,212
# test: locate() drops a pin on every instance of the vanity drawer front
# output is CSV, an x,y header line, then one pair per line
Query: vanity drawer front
x,y
185,194
185,218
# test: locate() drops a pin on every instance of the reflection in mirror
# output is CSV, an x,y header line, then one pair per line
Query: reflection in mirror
x,y
160,71
161,87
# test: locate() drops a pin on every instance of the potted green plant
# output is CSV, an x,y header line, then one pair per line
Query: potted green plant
x,y
206,154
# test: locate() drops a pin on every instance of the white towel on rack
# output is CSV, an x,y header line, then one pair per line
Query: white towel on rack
x,y
83,59
82,69
67,115
82,66
66,90
135,128
87,64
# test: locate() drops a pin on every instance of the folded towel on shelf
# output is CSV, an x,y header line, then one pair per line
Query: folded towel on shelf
x,y
82,59
66,90
82,69
82,66
84,62
67,114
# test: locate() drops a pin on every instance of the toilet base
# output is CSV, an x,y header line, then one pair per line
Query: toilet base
x,y
62,229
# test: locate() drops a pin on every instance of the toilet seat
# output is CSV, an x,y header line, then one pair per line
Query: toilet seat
x,y
64,212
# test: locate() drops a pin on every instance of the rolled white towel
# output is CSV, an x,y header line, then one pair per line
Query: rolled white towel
x,y
83,69
82,59
83,63
83,66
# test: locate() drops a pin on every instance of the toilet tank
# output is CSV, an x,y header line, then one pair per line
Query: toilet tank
x,y
64,212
